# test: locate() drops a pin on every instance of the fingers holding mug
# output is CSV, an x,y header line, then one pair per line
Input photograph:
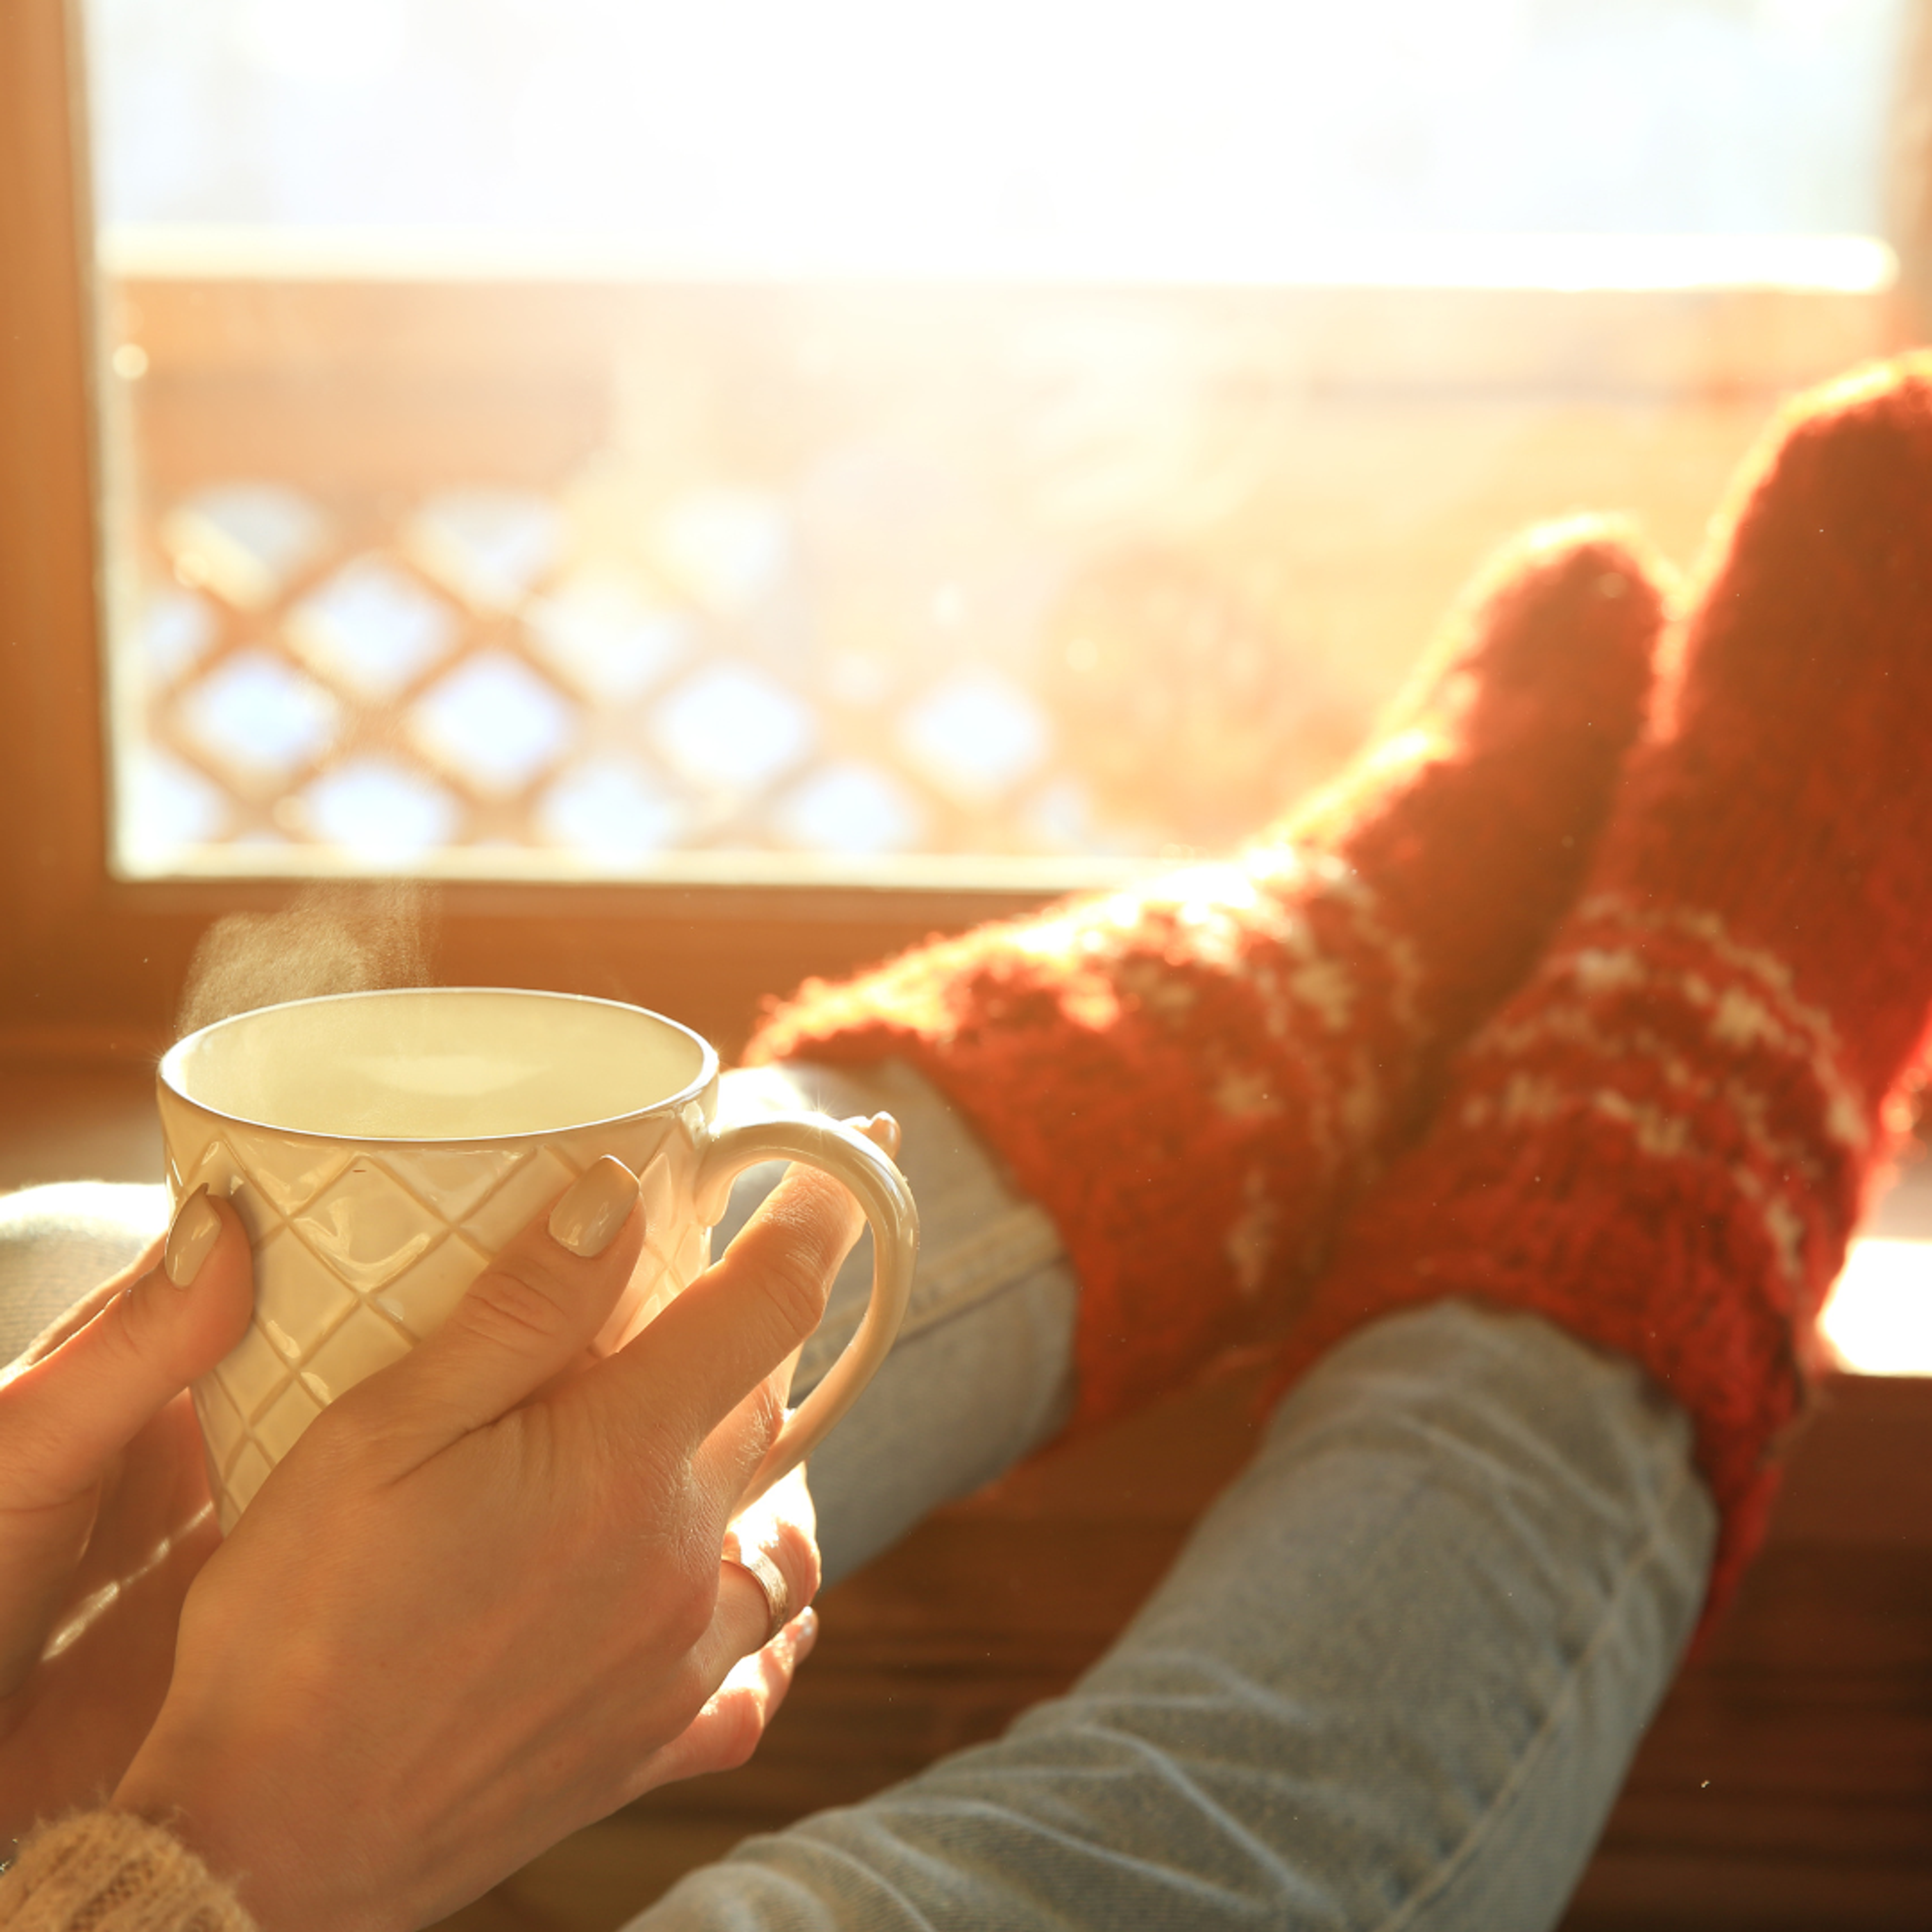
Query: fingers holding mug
x,y
740,1324
82,1391
762,1629
770,1568
529,1316
401,1163
725,1732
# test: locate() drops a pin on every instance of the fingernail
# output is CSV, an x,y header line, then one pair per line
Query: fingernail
x,y
197,1228
587,1219
884,1130
805,1627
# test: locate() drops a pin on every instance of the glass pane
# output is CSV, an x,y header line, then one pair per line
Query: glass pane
x,y
777,439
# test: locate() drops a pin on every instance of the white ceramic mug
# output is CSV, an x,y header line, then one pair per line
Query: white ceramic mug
x,y
381,1147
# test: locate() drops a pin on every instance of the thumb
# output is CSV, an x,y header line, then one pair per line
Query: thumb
x,y
83,1392
70,1404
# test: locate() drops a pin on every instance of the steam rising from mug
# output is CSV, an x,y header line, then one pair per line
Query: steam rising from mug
x,y
328,939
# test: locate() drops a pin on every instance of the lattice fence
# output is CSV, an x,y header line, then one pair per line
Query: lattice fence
x,y
877,654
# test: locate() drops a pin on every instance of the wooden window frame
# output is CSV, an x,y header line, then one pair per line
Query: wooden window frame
x,y
93,965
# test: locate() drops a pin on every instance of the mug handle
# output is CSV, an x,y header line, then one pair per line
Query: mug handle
x,y
881,1189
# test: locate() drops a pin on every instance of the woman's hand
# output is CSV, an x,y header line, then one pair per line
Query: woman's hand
x,y
482,1602
104,1511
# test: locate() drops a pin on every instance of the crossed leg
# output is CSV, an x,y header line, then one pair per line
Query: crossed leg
x,y
1394,1679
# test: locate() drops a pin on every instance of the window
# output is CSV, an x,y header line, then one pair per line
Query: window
x,y
801,495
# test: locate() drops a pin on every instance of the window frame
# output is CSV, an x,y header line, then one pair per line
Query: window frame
x,y
92,965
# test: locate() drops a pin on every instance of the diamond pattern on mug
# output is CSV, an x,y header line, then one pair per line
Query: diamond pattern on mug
x,y
657,1186
284,1419
661,1265
291,1173
299,1300
364,1343
250,1470
366,1225
626,1319
534,1186
344,1294
453,1182
636,1144
171,1167
215,1167
662,1286
652,1279
423,1297
652,1286
257,1216
693,1256
221,1424
251,1373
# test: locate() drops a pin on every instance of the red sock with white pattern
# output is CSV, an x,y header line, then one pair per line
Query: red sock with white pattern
x,y
1194,1077
1664,1140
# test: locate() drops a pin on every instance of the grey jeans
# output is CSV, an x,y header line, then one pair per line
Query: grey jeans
x,y
1394,1679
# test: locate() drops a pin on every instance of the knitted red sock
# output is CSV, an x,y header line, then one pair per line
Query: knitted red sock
x,y
1192,1077
1663,1141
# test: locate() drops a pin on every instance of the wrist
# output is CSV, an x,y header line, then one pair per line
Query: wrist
x,y
173,1787
242,1814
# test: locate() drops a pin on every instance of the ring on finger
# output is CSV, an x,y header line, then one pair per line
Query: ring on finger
x,y
770,1580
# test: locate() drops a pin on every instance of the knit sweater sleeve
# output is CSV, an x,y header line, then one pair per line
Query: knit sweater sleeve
x,y
109,1871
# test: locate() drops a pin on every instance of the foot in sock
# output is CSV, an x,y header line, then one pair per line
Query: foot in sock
x,y
1664,1140
1193,1077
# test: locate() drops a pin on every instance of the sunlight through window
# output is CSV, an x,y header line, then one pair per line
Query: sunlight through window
x,y
815,439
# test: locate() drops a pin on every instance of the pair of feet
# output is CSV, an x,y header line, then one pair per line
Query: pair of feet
x,y
1632,903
